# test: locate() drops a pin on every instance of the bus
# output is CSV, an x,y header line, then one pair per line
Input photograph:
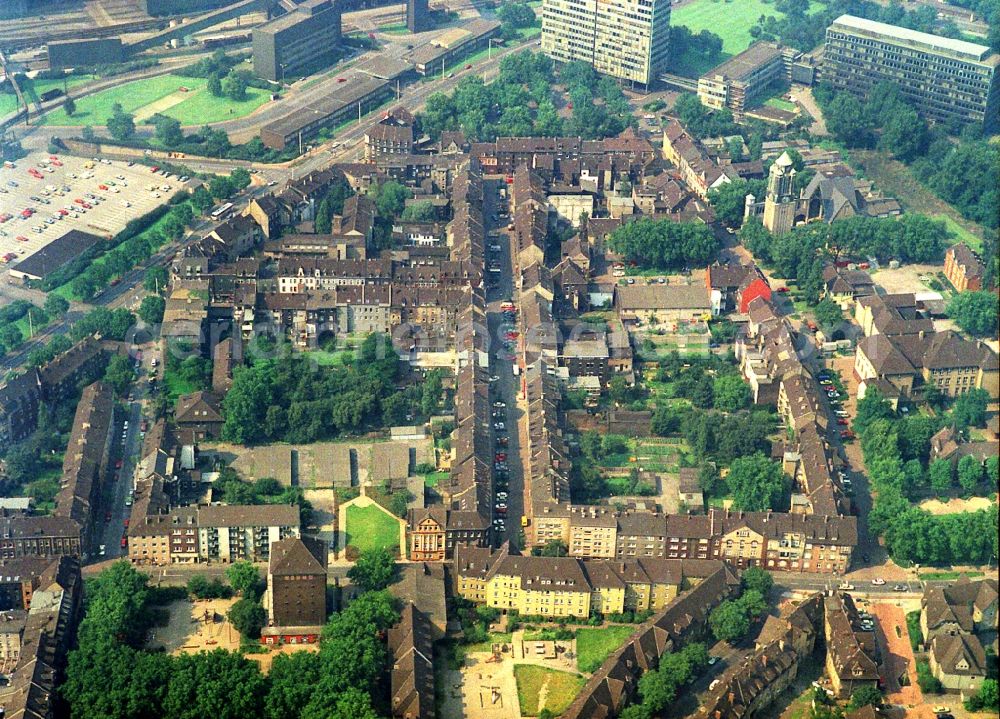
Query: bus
x,y
222,211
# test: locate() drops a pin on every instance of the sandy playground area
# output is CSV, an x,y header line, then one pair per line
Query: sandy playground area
x,y
195,626
955,505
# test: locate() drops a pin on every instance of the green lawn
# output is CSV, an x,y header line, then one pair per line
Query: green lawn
x,y
432,479
33,88
948,576
593,646
961,234
778,103
494,638
729,19
398,28
561,689
371,528
195,107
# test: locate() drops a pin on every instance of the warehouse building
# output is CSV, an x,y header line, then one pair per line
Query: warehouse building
x,y
91,51
946,80
626,39
54,255
305,38
453,45
743,80
359,94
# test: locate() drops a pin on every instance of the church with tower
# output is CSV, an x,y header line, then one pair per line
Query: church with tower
x,y
832,194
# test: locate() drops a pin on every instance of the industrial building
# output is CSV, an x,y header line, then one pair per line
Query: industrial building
x,y
358,95
418,16
452,45
946,80
743,80
625,39
305,38
85,52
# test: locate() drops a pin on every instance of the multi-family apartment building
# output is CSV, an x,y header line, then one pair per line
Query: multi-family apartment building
x,y
568,586
295,598
625,39
946,360
817,543
946,80
963,268
303,38
852,655
159,534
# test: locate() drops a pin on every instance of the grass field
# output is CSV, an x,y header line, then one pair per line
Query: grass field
x,y
593,646
371,528
160,94
560,689
778,103
433,478
729,19
33,88
961,234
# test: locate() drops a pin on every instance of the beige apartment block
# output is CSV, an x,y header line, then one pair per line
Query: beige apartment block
x,y
624,39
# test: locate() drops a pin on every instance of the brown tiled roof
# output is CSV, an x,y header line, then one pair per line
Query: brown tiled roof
x,y
953,650
297,556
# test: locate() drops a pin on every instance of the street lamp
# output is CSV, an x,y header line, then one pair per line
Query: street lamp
x,y
489,48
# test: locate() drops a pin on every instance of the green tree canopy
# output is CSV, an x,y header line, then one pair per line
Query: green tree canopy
x,y
374,570
975,312
757,483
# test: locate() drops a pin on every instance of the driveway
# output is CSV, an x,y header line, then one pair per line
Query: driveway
x,y
897,660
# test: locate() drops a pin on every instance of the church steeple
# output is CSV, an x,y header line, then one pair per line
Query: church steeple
x,y
779,204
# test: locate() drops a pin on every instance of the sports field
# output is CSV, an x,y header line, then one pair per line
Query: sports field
x,y
729,19
192,105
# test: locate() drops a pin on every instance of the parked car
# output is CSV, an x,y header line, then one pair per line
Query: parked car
x,y
878,582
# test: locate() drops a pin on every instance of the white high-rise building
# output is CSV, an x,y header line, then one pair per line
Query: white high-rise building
x,y
626,39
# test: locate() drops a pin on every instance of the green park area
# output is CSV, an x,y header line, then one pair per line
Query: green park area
x,y
959,233
185,99
593,646
371,528
731,20
540,688
32,89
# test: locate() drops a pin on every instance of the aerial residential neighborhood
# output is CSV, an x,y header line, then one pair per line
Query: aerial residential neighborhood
x,y
364,359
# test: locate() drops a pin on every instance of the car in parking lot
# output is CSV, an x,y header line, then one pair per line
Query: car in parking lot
x,y
878,582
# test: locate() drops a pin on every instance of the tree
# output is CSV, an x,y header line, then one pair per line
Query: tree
x,y
663,244
986,698
168,130
201,199
55,304
155,279
69,106
516,14
757,483
151,309
849,121
940,476
422,211
555,548
374,570
865,696
728,622
244,578
757,579
969,409
215,85
219,684
390,198
324,214
235,86
88,134
904,133
993,471
119,373
240,177
970,473
729,199
730,393
121,125
248,617
828,314
974,312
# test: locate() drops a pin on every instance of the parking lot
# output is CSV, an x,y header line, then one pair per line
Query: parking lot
x,y
44,196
